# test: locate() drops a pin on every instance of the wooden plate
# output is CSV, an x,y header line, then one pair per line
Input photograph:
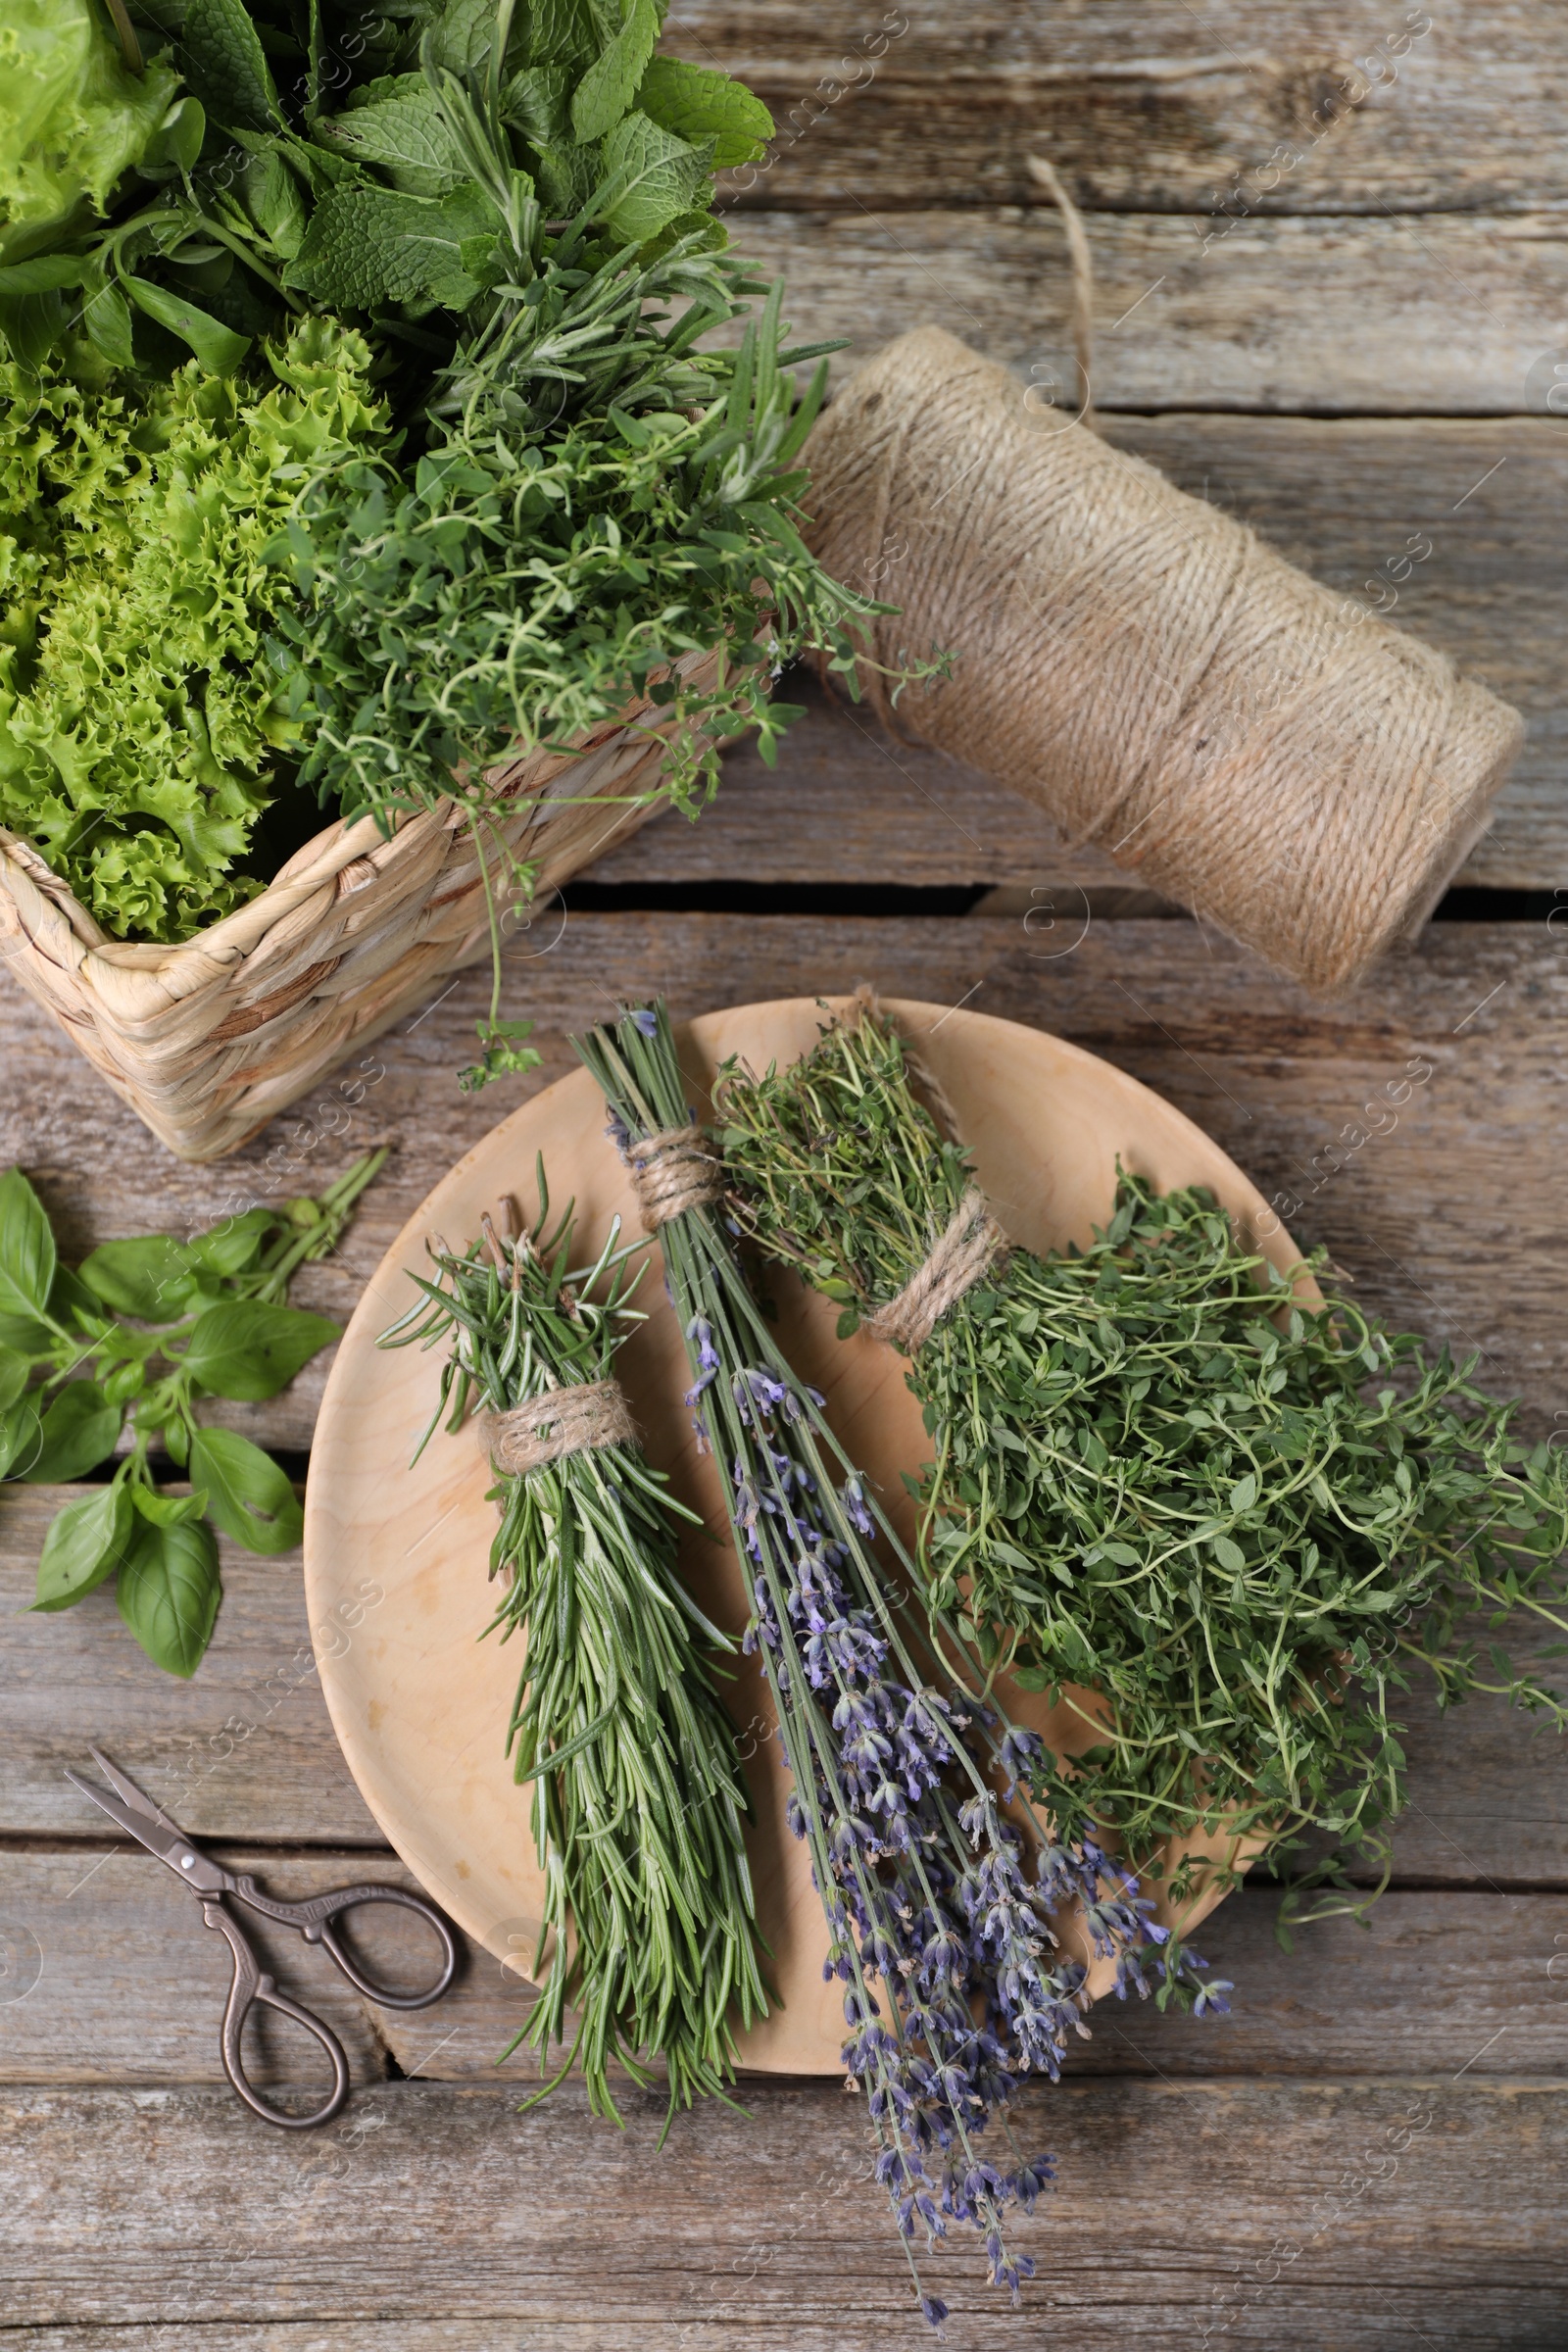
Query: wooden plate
x,y
396,1558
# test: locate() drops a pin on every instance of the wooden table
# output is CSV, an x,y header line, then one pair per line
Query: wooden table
x,y
1330,307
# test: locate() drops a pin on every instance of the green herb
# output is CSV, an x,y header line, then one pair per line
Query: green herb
x,y
139,718
1158,1474
639,1802
132,1341
897,1768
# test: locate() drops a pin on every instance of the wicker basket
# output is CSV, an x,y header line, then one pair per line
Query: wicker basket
x,y
205,1041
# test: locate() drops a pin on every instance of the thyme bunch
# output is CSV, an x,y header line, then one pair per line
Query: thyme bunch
x,y
1159,1474
898,1771
639,1802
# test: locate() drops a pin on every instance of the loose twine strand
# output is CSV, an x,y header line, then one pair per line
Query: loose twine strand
x,y
1258,749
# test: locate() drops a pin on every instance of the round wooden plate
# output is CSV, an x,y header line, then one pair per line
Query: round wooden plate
x,y
396,1558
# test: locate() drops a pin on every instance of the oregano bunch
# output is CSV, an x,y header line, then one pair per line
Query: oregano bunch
x,y
130,1341
1158,1473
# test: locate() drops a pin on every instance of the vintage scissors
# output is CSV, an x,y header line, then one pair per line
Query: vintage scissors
x,y
210,1881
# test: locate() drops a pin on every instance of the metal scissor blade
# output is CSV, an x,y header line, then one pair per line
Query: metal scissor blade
x,y
153,1834
130,1795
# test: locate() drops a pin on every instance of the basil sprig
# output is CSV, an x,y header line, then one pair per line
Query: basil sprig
x,y
132,1341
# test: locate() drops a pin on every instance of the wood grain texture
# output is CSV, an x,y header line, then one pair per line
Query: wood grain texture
x,y
1386,2206
1153,107
1440,314
1441,1980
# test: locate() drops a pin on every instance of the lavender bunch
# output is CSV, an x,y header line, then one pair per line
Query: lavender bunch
x,y
901,1772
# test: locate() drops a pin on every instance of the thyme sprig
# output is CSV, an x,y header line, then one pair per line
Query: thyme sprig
x,y
1161,1473
928,1888
647,1932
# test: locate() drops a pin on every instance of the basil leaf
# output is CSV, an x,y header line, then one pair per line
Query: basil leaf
x,y
697,103
70,1299
608,88
251,1352
232,1247
81,1430
41,274
247,1495
227,66
217,347
14,1371
85,1544
168,1510
27,1248
105,314
275,202
170,1589
20,1437
147,1277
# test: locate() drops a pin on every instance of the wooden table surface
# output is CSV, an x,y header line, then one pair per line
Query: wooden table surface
x,y
1332,305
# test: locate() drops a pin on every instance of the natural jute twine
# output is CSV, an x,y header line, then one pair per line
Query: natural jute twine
x,y
673,1169
550,1427
963,1254
1133,660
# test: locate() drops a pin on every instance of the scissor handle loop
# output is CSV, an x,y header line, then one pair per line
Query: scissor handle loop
x,y
252,1987
314,1919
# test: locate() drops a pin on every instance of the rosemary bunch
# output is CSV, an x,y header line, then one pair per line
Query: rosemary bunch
x,y
1158,1474
638,1797
928,1888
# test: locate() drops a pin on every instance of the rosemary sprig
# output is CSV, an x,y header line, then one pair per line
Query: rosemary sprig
x,y
898,1770
639,1803
1159,1474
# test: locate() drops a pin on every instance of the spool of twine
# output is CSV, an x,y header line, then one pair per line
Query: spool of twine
x,y
1162,684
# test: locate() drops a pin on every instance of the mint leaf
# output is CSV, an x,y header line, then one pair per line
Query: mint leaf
x,y
79,1431
538,103
148,1277
697,103
370,246
462,35
610,86
85,1544
663,176
251,1352
247,1495
27,1248
170,1589
406,134
217,347
226,65
560,32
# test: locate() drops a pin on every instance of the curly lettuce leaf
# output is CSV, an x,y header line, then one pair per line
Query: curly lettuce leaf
x,y
72,117
138,716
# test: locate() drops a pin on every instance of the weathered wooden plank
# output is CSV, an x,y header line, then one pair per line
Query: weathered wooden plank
x,y
1286,107
1340,2213
1344,501
1439,315
245,1751
1439,1981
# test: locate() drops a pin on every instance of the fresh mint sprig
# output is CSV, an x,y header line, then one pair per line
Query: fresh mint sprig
x,y
131,1342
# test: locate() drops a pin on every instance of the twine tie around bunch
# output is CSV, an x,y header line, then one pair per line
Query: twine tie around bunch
x,y
963,1254
546,1429
672,1170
